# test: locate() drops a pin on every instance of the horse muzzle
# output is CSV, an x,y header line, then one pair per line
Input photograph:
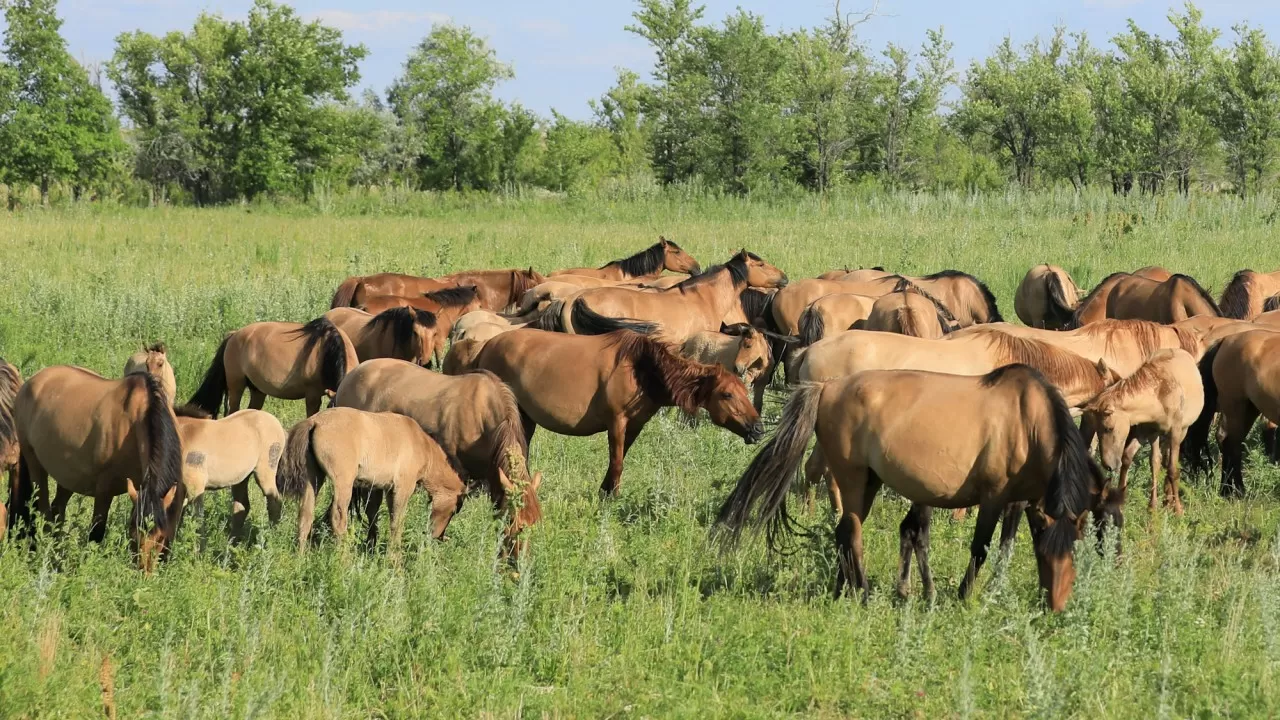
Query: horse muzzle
x,y
754,434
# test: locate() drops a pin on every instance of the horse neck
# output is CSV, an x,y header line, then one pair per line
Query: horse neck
x,y
718,293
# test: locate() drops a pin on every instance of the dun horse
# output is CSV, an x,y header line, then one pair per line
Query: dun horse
x,y
1007,437
1093,306
1244,297
219,454
101,438
1124,345
154,359
402,333
1046,298
834,313
278,359
498,289
1170,301
910,312
645,265
741,349
584,385
10,450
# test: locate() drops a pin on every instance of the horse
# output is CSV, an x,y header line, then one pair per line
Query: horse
x,y
1168,301
403,333
1093,306
154,359
859,275
102,438
582,385
498,289
10,450
965,297
478,317
1157,403
741,349
697,304
790,302
283,360
219,454
1244,297
1241,381
1046,298
474,417
1123,344
909,312
647,264
666,282
462,355
833,313
940,441
386,451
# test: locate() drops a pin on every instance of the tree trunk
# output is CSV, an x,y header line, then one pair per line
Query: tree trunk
x,y
44,191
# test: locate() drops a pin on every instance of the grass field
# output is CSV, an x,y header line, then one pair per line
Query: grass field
x,y
623,608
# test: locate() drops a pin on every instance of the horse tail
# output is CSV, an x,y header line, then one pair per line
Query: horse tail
x,y
1271,303
213,389
1235,296
1195,447
551,319
298,466
1060,310
906,318
813,326
588,322
162,466
764,485
333,350
345,294
530,300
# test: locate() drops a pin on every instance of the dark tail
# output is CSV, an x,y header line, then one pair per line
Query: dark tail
x,y
333,350
1271,303
588,322
510,450
1061,311
1075,480
21,492
298,466
813,326
213,389
163,466
551,319
1235,296
1195,447
764,485
346,293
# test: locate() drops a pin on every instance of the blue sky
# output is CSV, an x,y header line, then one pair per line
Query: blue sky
x,y
564,52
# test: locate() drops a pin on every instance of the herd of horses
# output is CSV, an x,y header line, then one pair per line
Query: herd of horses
x,y
911,383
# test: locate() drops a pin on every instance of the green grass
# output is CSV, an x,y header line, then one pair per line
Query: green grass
x,y
623,607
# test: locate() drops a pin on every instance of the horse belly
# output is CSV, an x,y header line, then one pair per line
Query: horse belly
x,y
928,460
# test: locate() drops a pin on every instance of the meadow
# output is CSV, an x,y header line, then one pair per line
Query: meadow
x,y
623,608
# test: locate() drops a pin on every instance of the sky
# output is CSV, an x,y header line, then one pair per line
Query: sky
x,y
566,52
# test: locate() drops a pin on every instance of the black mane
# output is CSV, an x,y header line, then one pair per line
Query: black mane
x,y
454,296
993,312
646,262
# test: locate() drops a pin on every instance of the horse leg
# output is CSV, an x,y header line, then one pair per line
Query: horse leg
x,y
988,514
1126,462
306,515
617,451
372,505
239,509
757,389
1156,457
235,392
397,506
1009,526
1236,422
313,404
58,509
913,537
342,487
528,425
101,510
1172,472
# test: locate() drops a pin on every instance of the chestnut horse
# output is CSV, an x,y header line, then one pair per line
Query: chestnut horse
x,y
1244,297
940,441
1093,306
498,289
10,450
583,385
647,264
1046,298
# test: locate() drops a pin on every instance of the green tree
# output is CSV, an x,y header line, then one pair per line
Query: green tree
x,y
57,126
1248,107
446,96
576,153
828,85
620,112
907,100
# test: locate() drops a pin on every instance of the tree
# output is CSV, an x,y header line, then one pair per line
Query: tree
x,y
58,127
1248,107
620,112
908,103
446,96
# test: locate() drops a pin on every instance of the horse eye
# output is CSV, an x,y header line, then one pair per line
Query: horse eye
x,y
726,395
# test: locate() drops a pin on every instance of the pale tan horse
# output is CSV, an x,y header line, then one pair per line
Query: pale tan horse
x,y
834,313
791,301
478,317
473,416
1046,298
964,296
1123,344
498,289
939,440
462,355
700,303
220,454
908,312
101,438
647,264
583,385
741,349
403,333
858,275
154,359
1093,306
1156,405
10,450
1243,298
283,360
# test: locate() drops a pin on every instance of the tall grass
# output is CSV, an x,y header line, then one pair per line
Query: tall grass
x,y
622,608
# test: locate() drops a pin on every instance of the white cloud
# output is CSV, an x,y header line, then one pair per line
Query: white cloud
x,y
376,20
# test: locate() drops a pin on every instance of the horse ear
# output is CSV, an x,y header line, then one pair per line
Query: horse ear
x,y
507,485
1103,370
131,489
535,481
724,327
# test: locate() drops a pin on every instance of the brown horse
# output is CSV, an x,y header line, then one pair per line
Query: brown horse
x,y
1244,297
474,417
10,450
833,313
448,305
1169,301
939,441
284,360
1046,298
964,296
697,304
498,289
102,438
1093,306
220,454
403,333
909,312
154,359
645,265
584,385
1157,403
1241,378
1124,345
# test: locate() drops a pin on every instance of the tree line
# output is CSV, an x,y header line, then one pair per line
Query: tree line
x,y
263,107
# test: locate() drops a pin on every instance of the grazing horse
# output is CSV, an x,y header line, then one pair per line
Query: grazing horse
x,y
1046,298
1124,345
1244,297
910,312
1157,403
102,438
833,313
473,416
386,451
1093,306
741,349
154,359
647,264
699,303
498,289
939,441
583,385
10,450
403,333
1168,301
1241,378
283,360
219,454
